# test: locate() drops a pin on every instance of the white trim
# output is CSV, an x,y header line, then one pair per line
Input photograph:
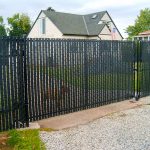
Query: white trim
x,y
142,38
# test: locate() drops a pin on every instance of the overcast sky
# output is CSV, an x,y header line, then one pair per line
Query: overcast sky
x,y
123,12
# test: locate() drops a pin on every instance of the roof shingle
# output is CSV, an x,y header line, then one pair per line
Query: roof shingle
x,y
76,24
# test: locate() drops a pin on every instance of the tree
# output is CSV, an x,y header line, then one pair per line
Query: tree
x,y
142,23
2,27
19,25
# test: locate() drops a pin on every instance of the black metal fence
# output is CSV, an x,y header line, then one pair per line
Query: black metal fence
x,y
12,110
41,78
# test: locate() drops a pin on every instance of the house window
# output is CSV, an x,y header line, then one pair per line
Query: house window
x,y
43,26
145,38
140,38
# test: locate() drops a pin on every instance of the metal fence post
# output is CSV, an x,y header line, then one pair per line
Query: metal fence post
x,y
25,84
139,69
136,69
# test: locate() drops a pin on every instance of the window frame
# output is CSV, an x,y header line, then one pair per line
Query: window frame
x,y
42,26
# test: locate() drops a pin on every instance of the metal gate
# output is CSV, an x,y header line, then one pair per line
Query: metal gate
x,y
65,76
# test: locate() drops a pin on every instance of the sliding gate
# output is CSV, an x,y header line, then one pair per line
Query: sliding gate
x,y
65,76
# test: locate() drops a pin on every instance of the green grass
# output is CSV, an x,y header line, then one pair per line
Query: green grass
x,y
25,140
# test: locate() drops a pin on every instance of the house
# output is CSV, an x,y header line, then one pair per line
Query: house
x,y
144,36
52,24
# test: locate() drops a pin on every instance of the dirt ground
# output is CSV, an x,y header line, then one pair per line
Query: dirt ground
x,y
3,141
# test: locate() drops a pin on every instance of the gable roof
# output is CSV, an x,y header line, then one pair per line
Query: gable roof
x,y
73,24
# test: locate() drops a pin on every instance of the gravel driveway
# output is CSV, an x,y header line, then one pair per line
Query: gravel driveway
x,y
126,130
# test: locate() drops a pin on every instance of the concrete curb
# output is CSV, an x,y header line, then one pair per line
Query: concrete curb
x,y
86,116
32,125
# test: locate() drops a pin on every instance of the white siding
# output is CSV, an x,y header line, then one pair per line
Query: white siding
x,y
79,37
117,35
74,37
51,30
105,34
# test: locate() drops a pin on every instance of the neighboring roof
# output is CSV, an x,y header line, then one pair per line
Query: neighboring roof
x,y
76,24
145,33
148,35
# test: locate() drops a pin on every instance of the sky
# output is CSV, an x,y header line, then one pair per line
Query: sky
x,y
123,12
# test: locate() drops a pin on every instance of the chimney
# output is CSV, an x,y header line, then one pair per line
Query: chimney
x,y
50,9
